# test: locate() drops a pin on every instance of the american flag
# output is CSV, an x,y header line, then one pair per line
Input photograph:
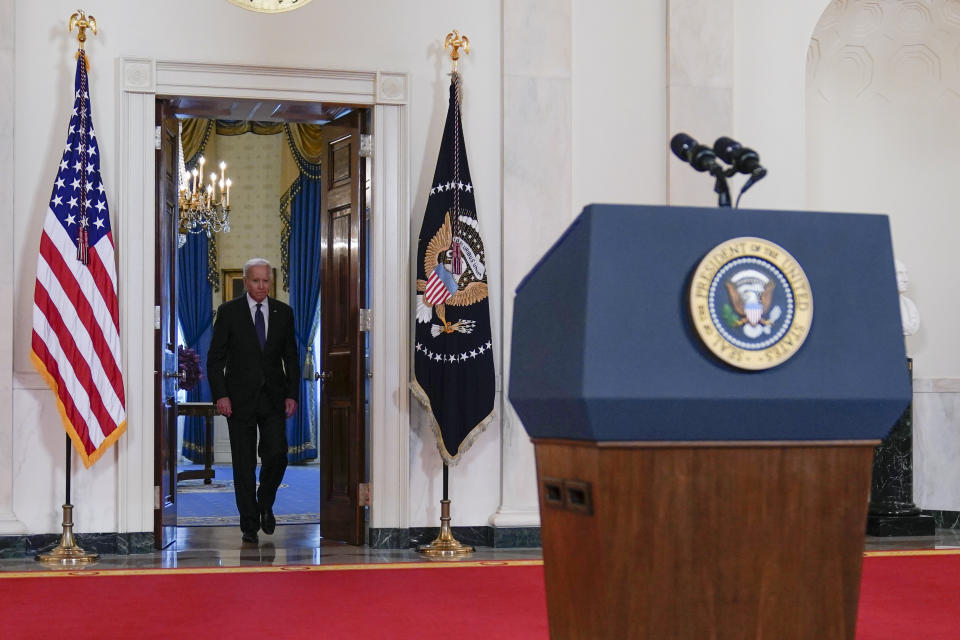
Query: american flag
x,y
76,323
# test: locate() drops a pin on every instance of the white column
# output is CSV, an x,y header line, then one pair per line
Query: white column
x,y
8,521
537,134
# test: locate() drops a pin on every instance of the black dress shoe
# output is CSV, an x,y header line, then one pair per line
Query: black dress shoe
x,y
250,536
267,522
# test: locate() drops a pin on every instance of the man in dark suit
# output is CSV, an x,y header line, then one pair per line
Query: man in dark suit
x,y
254,375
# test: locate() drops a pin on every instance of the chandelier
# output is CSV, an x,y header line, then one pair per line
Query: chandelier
x,y
202,209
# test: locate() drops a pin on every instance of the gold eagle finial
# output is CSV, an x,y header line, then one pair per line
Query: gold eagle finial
x,y
456,41
82,22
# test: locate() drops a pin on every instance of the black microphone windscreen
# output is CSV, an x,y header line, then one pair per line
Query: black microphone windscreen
x,y
725,148
681,144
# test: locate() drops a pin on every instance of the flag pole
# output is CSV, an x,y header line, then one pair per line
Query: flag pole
x,y
67,552
445,545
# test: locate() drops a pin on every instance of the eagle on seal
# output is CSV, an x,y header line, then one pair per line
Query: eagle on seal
x,y
752,306
470,290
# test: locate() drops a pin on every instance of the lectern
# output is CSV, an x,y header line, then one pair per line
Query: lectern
x,y
685,493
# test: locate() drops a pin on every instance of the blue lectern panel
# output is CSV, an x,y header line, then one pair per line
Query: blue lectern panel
x,y
556,319
604,349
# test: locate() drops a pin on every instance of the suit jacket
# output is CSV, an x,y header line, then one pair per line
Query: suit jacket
x,y
236,366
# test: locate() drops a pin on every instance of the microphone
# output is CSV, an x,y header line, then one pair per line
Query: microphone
x,y
700,157
742,159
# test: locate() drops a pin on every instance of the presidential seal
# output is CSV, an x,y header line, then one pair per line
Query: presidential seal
x,y
751,303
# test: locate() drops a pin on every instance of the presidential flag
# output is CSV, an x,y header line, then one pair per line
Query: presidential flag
x,y
453,355
76,322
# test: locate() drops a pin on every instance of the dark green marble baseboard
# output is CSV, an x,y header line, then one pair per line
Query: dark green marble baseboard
x,y
945,519
19,546
102,543
486,536
884,526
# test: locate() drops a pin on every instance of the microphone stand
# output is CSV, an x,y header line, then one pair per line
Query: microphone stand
x,y
720,186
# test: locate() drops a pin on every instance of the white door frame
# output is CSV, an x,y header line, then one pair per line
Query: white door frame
x,y
139,82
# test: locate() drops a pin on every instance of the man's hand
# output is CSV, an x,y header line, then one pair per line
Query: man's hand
x,y
224,407
290,406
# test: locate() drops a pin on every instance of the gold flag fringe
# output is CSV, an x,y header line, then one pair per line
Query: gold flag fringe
x,y
474,433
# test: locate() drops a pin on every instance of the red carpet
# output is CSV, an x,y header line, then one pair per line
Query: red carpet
x,y
903,596
910,596
450,600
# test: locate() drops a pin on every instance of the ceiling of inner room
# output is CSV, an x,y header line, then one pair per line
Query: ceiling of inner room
x,y
257,110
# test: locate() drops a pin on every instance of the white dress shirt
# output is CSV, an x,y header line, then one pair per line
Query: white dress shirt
x,y
264,309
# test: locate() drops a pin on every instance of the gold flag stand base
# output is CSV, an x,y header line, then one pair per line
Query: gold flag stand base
x,y
67,552
445,545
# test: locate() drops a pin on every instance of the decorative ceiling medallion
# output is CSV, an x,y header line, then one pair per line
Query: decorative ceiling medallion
x,y
751,303
269,6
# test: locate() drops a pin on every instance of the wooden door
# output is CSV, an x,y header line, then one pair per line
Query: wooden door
x,y
165,341
342,426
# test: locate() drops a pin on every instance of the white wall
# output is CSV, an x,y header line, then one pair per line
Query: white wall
x,y
253,161
363,34
736,68
770,48
619,107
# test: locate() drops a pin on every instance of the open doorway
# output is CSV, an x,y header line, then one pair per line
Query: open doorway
x,y
299,198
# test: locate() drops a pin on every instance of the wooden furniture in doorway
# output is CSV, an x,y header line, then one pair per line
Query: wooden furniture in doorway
x,y
206,410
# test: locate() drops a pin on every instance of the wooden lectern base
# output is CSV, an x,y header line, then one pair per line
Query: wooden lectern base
x,y
703,540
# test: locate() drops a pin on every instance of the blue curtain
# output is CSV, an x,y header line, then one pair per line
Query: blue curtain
x,y
305,219
195,312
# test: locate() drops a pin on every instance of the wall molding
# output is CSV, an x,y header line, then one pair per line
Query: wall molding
x,y
29,380
276,83
936,385
9,523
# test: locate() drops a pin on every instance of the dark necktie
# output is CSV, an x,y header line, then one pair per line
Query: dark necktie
x,y
260,325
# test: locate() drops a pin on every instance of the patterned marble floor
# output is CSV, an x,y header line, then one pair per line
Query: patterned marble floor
x,y
303,545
